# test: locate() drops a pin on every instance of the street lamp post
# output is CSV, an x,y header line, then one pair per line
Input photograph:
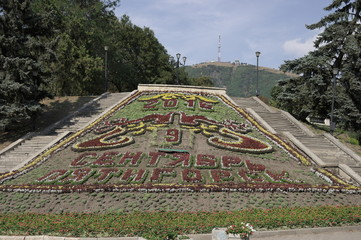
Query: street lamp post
x,y
177,64
332,121
106,69
257,55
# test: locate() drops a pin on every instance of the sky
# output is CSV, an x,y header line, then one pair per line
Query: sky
x,y
276,28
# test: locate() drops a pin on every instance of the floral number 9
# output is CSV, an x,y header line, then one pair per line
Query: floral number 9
x,y
172,136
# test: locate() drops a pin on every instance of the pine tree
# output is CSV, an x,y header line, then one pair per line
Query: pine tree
x,y
338,46
23,48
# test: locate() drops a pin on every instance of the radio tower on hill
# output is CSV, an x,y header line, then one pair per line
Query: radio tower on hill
x,y
219,48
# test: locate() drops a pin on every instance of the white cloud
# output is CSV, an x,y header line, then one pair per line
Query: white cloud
x,y
299,47
191,27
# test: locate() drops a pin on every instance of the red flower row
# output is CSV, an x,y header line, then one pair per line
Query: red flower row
x,y
77,176
108,159
202,161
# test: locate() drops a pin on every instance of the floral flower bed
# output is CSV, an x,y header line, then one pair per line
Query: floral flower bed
x,y
160,225
96,168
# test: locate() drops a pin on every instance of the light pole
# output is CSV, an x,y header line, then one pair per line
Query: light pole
x,y
106,69
257,55
177,64
332,121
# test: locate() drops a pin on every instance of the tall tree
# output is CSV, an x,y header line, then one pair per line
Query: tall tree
x,y
24,48
136,56
83,26
86,27
337,46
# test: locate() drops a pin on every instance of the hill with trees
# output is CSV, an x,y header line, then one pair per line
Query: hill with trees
x,y
239,79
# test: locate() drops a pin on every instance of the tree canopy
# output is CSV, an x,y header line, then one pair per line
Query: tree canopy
x,y
24,50
57,47
336,47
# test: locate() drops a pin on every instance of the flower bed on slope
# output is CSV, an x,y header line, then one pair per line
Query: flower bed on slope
x,y
223,149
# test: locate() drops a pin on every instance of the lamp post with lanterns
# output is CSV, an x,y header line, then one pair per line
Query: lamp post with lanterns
x,y
257,90
332,121
106,69
177,63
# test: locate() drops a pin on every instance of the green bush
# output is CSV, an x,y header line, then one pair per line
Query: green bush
x,y
353,141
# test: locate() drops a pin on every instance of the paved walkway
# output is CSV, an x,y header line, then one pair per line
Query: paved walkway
x,y
335,233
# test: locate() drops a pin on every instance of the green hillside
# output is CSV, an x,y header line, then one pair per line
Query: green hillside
x,y
240,80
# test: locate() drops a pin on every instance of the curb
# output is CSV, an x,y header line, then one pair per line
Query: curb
x,y
257,235
303,231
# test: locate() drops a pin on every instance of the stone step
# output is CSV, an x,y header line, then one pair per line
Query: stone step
x,y
17,153
42,138
328,152
332,155
13,158
34,144
37,140
24,152
316,140
30,148
249,103
357,170
11,161
30,145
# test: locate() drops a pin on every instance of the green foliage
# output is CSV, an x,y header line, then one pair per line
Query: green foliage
x,y
81,33
337,46
201,81
57,47
240,80
24,48
136,56
354,141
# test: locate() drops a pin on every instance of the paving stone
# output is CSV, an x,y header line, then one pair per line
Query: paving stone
x,y
34,238
12,238
53,238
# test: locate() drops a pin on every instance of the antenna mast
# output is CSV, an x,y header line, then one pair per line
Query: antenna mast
x,y
219,48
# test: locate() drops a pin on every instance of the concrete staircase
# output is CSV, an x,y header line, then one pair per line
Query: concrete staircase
x,y
32,144
251,103
324,150
280,121
327,150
